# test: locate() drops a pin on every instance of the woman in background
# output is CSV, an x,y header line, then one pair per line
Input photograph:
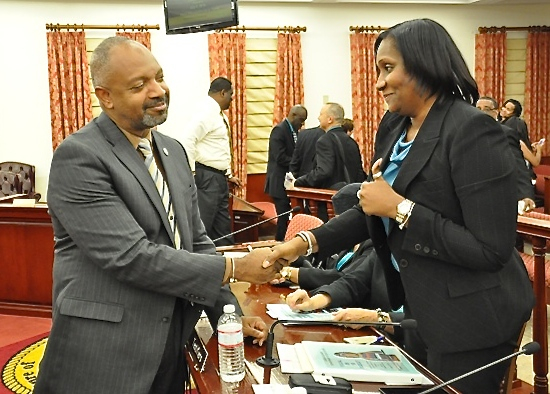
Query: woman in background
x,y
440,207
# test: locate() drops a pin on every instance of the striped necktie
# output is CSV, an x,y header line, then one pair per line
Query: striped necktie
x,y
144,147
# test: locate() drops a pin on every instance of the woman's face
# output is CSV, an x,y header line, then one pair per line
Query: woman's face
x,y
507,110
396,85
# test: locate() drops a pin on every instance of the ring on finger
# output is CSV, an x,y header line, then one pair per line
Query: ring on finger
x,y
359,194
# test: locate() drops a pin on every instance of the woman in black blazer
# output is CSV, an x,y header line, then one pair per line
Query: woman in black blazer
x,y
440,207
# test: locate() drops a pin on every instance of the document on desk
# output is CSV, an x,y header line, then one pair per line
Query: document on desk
x,y
362,363
283,312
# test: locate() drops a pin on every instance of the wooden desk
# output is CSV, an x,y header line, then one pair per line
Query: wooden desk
x,y
539,230
302,196
26,247
253,299
245,214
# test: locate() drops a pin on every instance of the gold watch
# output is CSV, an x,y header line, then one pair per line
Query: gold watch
x,y
404,210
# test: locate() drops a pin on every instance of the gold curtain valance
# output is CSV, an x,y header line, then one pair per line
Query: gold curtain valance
x,y
367,29
495,29
75,27
278,29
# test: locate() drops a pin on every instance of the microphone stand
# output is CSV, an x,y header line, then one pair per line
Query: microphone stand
x,y
530,348
295,209
268,361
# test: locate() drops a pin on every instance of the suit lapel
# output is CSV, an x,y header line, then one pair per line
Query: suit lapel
x,y
125,152
422,148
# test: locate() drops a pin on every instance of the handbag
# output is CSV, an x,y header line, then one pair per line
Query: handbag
x,y
313,387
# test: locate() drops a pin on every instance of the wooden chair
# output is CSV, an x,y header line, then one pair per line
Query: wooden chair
x,y
511,373
301,222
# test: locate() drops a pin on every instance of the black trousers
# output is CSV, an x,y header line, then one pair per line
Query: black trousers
x,y
213,196
281,205
172,375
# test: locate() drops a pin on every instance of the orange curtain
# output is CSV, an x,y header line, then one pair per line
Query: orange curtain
x,y
143,37
537,82
490,67
289,86
367,103
70,101
227,53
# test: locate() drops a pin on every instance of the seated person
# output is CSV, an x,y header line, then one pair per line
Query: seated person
x,y
329,292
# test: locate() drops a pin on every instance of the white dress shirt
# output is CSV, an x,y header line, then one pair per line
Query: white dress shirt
x,y
206,138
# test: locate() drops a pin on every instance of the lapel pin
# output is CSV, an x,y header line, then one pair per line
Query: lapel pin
x,y
165,151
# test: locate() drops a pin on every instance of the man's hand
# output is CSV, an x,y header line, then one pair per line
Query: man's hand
x,y
250,267
254,326
236,181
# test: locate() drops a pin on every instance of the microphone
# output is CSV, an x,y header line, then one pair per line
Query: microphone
x,y
530,348
295,209
269,361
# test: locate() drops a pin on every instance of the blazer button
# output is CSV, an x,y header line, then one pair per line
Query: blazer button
x,y
165,319
426,249
403,263
435,252
417,247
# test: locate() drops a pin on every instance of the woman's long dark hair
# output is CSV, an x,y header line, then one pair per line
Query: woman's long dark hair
x,y
432,58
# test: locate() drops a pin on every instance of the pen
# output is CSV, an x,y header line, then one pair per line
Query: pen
x,y
379,339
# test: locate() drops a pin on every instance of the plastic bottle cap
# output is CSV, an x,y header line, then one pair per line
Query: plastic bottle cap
x,y
229,308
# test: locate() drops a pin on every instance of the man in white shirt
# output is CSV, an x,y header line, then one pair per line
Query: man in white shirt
x,y
208,147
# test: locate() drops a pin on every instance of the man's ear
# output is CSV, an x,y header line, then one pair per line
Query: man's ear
x,y
104,96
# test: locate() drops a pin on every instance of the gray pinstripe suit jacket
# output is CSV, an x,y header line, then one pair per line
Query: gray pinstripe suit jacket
x,y
116,278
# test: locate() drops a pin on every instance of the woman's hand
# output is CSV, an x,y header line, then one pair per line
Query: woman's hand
x,y
300,301
254,326
356,314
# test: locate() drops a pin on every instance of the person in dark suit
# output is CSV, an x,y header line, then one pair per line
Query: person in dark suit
x,y
282,141
440,206
303,158
525,189
330,167
128,288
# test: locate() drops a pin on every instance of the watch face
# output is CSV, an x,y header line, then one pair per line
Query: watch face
x,y
403,207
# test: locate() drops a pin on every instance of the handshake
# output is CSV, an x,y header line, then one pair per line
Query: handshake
x,y
289,181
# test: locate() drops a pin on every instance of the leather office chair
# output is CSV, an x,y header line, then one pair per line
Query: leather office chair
x,y
301,222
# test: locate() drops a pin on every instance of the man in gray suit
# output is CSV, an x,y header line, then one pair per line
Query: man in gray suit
x,y
125,296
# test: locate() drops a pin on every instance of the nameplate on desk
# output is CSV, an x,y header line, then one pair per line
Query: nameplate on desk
x,y
197,350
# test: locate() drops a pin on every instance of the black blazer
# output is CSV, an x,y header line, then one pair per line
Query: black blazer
x,y
464,282
329,165
525,187
303,158
281,148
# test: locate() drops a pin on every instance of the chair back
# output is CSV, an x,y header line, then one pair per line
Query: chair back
x,y
16,178
301,222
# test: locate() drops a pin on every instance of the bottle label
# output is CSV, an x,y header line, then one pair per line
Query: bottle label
x,y
230,335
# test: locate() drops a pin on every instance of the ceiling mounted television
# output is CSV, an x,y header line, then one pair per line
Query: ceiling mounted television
x,y
192,16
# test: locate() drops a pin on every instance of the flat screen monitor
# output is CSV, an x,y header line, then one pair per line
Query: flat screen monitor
x,y
191,16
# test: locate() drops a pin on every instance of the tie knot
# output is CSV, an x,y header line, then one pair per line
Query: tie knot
x,y
145,147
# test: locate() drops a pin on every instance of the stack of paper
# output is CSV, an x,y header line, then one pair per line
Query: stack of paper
x,y
283,312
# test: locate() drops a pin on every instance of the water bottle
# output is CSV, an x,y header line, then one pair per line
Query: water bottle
x,y
230,345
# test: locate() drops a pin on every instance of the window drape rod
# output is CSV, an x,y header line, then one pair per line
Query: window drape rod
x,y
494,29
75,27
279,29
367,29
